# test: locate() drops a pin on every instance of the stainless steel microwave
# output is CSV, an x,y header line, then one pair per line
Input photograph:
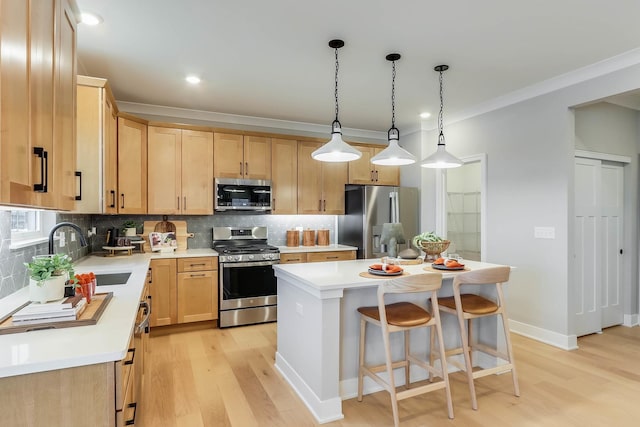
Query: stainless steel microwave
x,y
242,195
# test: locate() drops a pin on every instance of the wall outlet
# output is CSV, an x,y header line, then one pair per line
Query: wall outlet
x,y
73,237
544,232
299,309
62,241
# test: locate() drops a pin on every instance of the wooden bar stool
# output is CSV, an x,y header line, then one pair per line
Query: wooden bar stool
x,y
471,306
404,316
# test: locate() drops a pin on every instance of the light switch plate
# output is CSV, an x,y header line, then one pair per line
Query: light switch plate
x,y
544,232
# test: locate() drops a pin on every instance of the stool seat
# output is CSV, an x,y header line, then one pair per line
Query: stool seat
x,y
471,303
402,314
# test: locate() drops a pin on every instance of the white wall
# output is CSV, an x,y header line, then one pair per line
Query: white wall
x,y
530,148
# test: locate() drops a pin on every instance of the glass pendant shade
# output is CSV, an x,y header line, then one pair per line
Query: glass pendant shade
x,y
393,155
441,159
336,150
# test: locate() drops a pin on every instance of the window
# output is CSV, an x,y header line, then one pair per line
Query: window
x,y
29,226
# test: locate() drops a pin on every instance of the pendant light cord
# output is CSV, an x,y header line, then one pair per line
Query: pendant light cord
x,y
440,125
393,94
336,89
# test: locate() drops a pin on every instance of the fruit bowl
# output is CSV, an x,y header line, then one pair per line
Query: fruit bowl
x,y
433,249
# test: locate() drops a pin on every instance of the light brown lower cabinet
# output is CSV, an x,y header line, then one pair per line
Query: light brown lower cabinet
x,y
183,290
98,395
298,257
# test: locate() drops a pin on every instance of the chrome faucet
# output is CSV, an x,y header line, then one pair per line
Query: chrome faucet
x,y
83,241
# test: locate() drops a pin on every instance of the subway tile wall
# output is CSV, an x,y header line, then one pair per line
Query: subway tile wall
x,y
13,273
201,226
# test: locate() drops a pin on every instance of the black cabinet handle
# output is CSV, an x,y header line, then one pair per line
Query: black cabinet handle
x,y
122,194
79,175
133,356
132,421
113,199
44,169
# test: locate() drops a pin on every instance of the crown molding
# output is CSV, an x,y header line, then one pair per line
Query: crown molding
x,y
243,121
601,68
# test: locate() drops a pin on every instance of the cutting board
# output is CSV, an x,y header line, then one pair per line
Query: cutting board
x,y
181,234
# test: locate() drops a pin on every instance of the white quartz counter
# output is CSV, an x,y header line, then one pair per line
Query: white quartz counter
x,y
304,249
108,340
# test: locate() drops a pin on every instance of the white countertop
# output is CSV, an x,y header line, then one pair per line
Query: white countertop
x,y
107,341
326,276
329,248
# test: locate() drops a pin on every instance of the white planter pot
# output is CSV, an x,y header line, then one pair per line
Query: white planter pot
x,y
130,232
49,290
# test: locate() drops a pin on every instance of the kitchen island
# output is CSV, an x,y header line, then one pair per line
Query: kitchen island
x,y
318,330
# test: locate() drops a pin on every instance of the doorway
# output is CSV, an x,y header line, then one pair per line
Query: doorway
x,y
599,234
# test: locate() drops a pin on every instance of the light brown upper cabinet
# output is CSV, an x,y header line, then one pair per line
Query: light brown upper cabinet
x,y
320,184
132,167
97,158
238,156
284,176
37,103
362,171
180,179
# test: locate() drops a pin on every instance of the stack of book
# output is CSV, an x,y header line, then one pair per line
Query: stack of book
x,y
58,311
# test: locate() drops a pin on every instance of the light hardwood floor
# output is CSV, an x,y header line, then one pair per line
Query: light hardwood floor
x,y
227,377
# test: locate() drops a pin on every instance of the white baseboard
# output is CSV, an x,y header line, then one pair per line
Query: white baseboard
x,y
325,411
565,342
630,320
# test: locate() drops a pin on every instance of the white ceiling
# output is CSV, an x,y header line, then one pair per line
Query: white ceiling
x,y
270,58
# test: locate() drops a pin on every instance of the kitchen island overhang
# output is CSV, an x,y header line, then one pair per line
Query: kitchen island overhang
x,y
318,330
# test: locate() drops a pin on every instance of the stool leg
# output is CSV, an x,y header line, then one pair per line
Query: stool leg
x,y
444,370
465,351
407,366
470,340
361,348
432,353
514,375
392,383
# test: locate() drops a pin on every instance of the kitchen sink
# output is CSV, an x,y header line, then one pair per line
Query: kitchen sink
x,y
109,279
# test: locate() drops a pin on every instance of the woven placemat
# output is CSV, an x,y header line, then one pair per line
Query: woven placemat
x,y
376,276
429,268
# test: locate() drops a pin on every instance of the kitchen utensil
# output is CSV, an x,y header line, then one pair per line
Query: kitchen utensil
x,y
165,226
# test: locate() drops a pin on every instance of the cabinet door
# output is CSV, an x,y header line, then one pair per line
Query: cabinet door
x,y
162,288
164,166
41,82
385,175
228,156
309,184
132,167
331,256
197,296
110,164
284,176
17,161
197,173
362,171
293,258
89,125
257,157
65,110
334,177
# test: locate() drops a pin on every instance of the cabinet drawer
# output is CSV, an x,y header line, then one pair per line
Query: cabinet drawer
x,y
127,415
124,375
293,258
197,264
331,256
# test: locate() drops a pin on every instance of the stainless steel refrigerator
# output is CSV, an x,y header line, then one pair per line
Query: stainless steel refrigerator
x,y
367,207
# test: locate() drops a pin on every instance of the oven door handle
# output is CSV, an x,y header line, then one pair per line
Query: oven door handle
x,y
247,264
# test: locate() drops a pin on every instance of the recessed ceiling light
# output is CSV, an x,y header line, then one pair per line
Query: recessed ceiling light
x,y
88,18
425,115
194,80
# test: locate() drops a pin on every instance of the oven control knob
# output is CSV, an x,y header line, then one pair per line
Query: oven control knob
x,y
250,257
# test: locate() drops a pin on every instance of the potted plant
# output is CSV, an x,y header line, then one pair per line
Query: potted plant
x,y
48,275
130,228
431,244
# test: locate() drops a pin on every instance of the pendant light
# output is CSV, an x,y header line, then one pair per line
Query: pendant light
x,y
336,150
393,155
441,159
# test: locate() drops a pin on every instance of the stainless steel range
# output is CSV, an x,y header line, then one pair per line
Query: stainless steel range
x,y
248,292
